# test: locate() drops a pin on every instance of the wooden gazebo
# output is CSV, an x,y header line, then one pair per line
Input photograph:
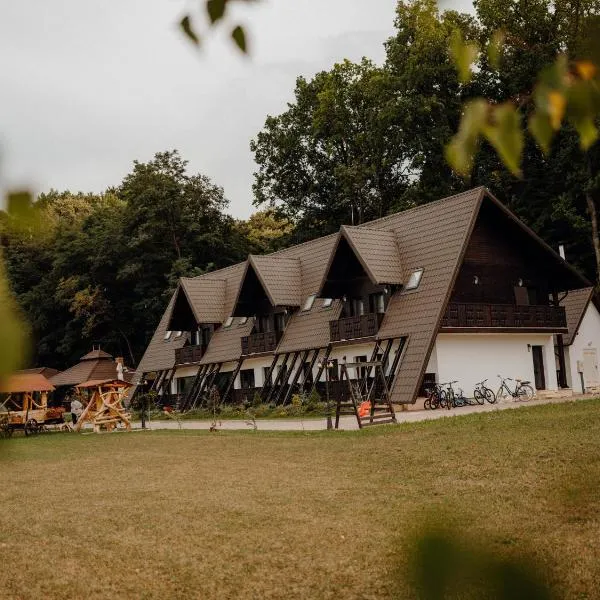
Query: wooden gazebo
x,y
105,408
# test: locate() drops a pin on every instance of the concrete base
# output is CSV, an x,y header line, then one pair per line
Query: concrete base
x,y
554,394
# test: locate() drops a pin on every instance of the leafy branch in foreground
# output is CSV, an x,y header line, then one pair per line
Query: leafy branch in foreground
x,y
216,11
565,91
13,331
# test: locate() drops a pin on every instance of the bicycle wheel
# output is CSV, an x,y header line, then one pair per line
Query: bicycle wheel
x,y
500,394
427,403
442,399
525,393
478,396
489,395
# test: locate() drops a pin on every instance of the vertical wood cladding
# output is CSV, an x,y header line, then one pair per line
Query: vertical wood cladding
x,y
497,258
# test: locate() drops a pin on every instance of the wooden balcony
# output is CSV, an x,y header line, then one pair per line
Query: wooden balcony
x,y
351,328
505,316
189,355
256,343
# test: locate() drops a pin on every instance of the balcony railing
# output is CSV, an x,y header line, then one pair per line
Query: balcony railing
x,y
351,328
504,316
189,354
256,343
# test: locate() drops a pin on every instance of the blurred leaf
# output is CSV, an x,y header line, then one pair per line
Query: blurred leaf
x,y
13,334
586,69
464,54
587,130
495,48
215,9
504,132
557,104
20,207
540,128
461,150
186,26
239,37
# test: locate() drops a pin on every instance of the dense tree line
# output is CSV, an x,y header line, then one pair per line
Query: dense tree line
x,y
362,140
100,268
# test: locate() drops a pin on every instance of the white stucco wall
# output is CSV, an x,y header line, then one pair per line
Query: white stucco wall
x,y
469,358
588,337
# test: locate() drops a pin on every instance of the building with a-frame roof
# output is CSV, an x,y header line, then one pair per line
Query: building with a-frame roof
x,y
458,289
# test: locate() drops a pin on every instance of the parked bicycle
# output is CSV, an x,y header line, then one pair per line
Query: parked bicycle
x,y
481,393
435,396
449,400
523,391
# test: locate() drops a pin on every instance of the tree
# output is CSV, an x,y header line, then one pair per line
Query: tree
x,y
266,231
336,155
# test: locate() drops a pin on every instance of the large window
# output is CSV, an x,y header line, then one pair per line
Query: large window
x,y
184,384
247,379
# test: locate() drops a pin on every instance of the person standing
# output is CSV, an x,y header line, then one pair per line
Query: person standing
x,y
76,410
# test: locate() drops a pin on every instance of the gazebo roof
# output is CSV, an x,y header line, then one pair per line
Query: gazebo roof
x,y
25,382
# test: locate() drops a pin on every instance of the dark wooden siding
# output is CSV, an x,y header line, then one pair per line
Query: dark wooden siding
x,y
498,261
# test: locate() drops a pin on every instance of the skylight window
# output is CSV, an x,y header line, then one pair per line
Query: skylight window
x,y
178,334
168,335
244,320
309,302
414,280
228,322
327,302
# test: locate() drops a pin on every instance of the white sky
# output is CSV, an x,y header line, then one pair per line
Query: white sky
x,y
90,85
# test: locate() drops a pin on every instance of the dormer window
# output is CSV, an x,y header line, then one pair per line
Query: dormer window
x,y
327,302
228,322
309,302
168,335
414,280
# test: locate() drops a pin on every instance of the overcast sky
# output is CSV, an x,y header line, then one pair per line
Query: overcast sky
x,y
89,85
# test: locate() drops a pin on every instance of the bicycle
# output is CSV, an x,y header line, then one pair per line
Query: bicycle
x,y
481,393
435,396
523,391
450,399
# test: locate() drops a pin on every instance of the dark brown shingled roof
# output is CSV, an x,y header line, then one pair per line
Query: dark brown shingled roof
x,y
225,344
309,329
102,368
206,297
575,303
377,251
280,277
96,353
160,354
417,313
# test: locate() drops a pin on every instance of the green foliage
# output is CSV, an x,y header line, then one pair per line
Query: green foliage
x,y
336,155
446,565
464,54
102,267
216,11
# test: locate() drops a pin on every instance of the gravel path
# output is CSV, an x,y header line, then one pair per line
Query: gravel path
x,y
347,423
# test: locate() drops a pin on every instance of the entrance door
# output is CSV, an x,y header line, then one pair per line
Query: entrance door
x,y
590,367
538,367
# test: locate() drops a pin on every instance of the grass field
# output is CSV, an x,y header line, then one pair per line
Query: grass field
x,y
186,514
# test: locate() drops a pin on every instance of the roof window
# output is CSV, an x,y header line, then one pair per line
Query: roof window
x,y
309,302
414,280
168,335
178,334
244,320
228,322
327,302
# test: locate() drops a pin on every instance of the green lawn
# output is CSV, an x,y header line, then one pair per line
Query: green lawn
x,y
185,514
